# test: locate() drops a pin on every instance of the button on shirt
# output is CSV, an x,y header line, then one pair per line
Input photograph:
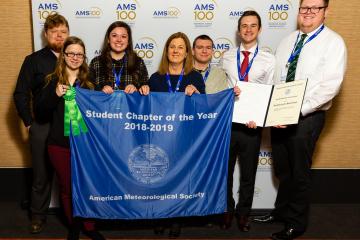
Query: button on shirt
x,y
261,71
322,61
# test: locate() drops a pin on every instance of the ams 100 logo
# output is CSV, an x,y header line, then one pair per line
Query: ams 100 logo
x,y
126,11
221,45
145,48
47,8
278,12
265,158
204,12
171,12
93,12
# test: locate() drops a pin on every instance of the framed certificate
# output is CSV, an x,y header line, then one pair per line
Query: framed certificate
x,y
269,105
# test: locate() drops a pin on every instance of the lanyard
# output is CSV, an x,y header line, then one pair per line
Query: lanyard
x,y
295,53
242,77
170,89
117,76
207,73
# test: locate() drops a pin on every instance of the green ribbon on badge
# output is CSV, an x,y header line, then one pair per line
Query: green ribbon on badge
x,y
72,115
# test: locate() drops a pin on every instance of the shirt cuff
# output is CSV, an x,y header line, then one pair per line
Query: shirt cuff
x,y
306,109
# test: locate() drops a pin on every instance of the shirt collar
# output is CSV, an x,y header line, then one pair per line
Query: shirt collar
x,y
251,50
310,33
201,71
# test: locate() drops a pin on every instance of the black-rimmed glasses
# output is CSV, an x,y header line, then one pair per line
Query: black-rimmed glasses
x,y
304,10
72,55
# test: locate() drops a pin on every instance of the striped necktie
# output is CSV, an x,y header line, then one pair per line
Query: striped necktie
x,y
292,67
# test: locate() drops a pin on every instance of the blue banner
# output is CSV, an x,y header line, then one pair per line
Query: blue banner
x,y
156,156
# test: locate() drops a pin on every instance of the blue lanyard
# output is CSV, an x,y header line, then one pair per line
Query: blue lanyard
x,y
207,73
242,77
295,53
170,89
117,76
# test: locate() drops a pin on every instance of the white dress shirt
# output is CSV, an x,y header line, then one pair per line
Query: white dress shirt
x,y
261,71
322,61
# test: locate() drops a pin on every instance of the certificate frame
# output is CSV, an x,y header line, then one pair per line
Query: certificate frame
x,y
269,105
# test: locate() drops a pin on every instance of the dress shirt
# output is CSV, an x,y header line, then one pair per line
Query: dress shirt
x,y
216,80
261,71
322,61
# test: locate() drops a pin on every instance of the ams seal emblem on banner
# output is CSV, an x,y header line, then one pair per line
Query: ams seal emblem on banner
x,y
148,163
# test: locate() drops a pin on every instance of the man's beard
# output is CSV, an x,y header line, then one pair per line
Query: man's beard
x,y
56,47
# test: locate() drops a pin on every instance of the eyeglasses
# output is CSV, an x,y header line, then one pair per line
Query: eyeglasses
x,y
304,10
72,55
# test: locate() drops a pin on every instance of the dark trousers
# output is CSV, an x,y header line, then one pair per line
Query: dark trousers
x,y
60,159
292,150
245,144
42,171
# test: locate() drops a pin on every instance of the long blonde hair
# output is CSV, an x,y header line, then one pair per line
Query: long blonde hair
x,y
60,70
188,65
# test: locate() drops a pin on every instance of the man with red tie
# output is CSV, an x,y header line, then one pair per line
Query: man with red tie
x,y
251,64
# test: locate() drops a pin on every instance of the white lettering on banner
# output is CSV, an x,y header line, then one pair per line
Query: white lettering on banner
x,y
145,118
151,117
191,196
93,114
105,199
131,197
151,127
150,197
206,115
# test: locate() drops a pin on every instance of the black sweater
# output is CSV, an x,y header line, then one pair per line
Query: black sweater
x,y
30,82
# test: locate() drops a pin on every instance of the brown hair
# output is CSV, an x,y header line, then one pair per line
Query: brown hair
x,y
249,13
55,20
202,37
60,70
164,64
326,2
132,59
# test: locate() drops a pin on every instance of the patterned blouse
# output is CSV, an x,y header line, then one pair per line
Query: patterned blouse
x,y
98,73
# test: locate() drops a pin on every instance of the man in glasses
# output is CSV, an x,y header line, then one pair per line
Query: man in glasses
x,y
30,81
318,54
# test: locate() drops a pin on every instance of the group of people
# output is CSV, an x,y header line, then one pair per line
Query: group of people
x,y
314,52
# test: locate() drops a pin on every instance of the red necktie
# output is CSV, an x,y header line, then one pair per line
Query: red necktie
x,y
245,64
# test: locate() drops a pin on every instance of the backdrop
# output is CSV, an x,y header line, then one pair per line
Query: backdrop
x,y
152,22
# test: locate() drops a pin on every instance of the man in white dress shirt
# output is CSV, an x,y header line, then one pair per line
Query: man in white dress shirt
x,y
318,54
245,63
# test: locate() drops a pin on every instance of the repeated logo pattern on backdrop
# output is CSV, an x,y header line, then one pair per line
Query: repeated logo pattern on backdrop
x,y
153,22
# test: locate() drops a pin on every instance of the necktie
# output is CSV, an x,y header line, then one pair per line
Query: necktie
x,y
244,65
292,67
